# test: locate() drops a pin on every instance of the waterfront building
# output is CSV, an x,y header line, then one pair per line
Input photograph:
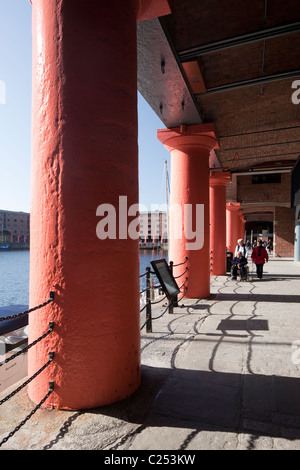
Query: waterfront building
x,y
153,227
14,227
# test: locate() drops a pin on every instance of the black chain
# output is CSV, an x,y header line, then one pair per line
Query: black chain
x,y
51,388
180,275
183,284
169,304
51,326
51,357
17,315
143,308
180,264
183,295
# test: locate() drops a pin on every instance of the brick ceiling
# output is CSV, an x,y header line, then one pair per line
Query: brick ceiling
x,y
234,42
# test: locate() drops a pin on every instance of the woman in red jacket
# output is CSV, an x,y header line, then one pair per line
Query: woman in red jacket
x,y
259,256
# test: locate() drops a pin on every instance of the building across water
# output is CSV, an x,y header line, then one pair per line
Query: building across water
x,y
153,229
14,229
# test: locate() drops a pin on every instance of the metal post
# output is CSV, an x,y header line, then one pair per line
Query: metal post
x,y
148,300
172,304
297,241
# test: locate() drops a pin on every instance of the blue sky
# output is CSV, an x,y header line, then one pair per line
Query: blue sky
x,y
15,119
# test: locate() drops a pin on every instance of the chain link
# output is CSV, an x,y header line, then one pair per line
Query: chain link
x,y
179,264
51,356
17,315
51,388
51,327
180,275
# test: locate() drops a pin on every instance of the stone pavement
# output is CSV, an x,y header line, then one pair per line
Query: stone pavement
x,y
220,373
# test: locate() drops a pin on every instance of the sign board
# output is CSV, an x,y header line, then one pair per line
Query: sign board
x,y
165,277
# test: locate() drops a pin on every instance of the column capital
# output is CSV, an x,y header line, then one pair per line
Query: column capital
x,y
233,206
180,138
150,9
219,178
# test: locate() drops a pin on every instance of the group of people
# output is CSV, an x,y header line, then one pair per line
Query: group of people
x,y
259,256
266,244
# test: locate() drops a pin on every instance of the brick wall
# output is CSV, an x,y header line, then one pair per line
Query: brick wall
x,y
275,192
231,190
284,232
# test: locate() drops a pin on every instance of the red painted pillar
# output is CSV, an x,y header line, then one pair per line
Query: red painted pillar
x,y
241,218
232,225
85,153
243,227
189,202
217,205
240,228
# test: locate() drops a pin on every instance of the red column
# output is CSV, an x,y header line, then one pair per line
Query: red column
x,y
85,153
232,225
240,224
190,148
217,204
243,228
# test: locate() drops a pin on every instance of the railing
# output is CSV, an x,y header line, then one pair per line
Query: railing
x,y
22,351
148,294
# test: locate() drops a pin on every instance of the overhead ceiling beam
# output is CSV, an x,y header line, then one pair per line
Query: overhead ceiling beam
x,y
160,79
273,144
262,172
256,36
278,129
252,82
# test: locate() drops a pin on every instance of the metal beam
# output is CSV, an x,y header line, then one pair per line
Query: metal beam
x,y
262,172
255,36
160,79
252,82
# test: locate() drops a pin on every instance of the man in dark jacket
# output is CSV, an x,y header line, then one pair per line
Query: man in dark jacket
x,y
239,262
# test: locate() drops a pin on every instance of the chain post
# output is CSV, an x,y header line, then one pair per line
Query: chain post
x,y
148,300
171,305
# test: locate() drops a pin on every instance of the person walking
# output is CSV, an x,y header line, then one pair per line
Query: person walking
x,y
259,257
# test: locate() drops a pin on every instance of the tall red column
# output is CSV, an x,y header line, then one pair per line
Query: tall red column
x,y
217,205
243,227
84,154
232,225
240,224
189,202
